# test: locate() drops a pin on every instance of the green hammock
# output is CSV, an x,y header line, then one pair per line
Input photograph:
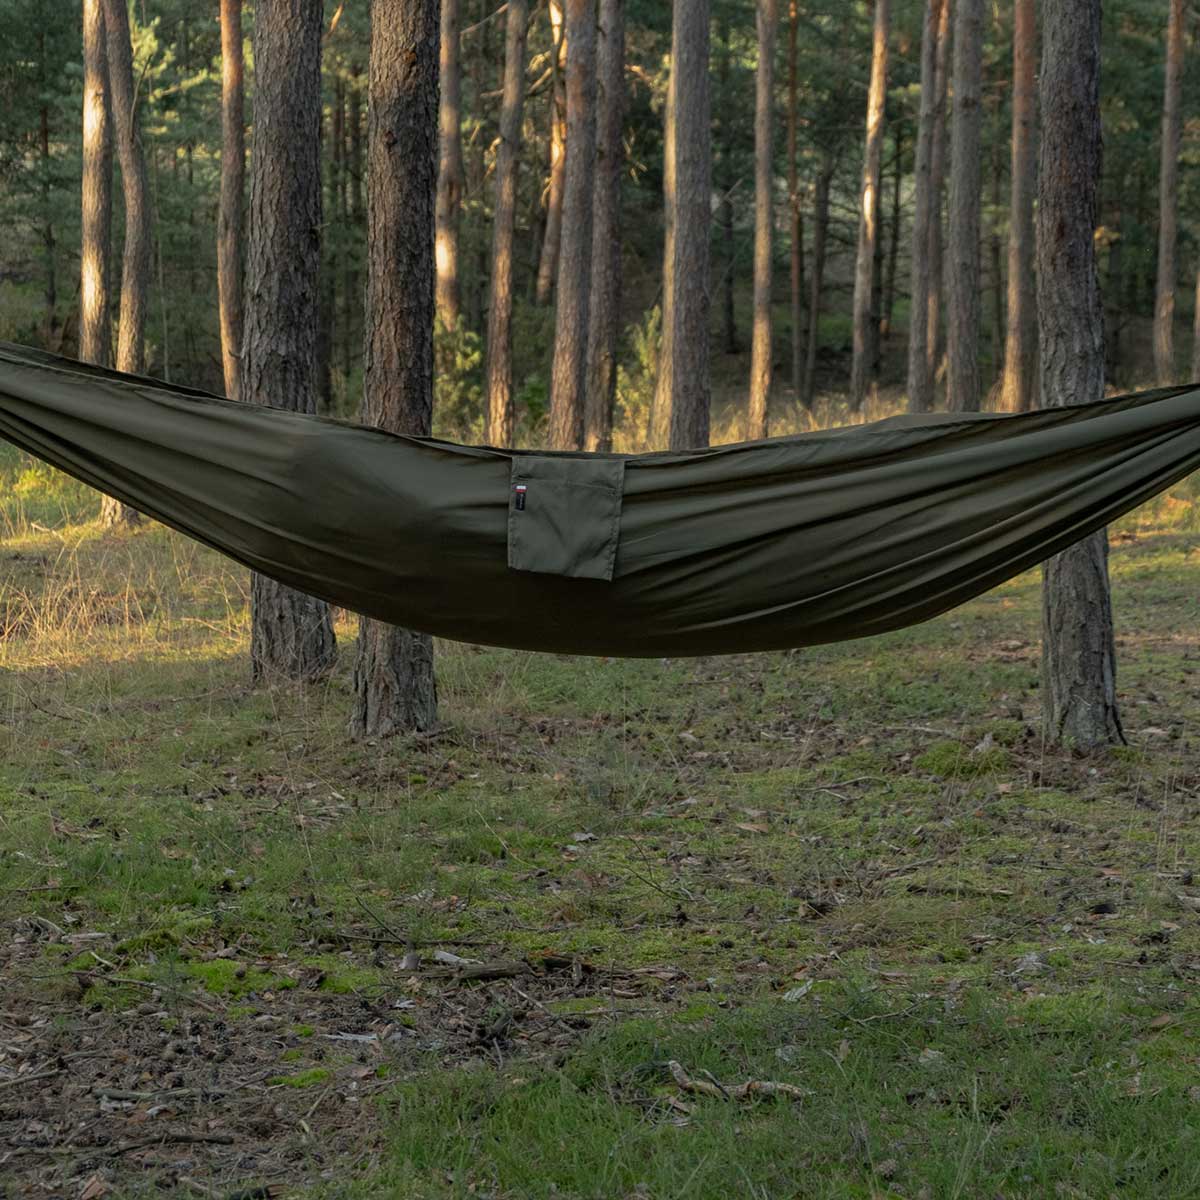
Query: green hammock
x,y
789,542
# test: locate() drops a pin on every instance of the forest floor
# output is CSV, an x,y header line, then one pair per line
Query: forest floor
x,y
244,956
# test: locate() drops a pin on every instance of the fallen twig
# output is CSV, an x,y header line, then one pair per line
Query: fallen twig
x,y
734,1091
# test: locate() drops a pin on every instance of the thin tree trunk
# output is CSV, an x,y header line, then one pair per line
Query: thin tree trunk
x,y
604,327
233,177
291,633
95,334
50,317
816,281
795,207
861,369
889,283
935,326
727,187
996,271
1020,350
326,281
353,210
683,391
963,385
394,687
137,255
920,378
1079,702
548,263
568,375
1168,188
501,416
450,170
758,418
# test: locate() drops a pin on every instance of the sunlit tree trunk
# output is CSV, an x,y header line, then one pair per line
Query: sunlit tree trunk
x,y
795,206
1079,701
95,334
683,392
501,416
450,170
868,214
548,263
963,384
764,104
1168,188
1020,353
604,326
568,376
233,173
291,633
816,280
394,687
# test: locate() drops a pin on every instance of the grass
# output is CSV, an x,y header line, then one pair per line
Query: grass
x,y
856,869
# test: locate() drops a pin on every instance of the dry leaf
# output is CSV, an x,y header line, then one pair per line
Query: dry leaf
x,y
753,827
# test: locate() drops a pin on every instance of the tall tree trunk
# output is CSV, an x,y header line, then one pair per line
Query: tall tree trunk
x,y
816,280
326,280
963,385
757,421
352,214
996,271
394,687
139,231
501,416
795,207
728,185
935,326
450,170
868,216
1168,188
233,177
920,378
1020,349
683,392
50,317
548,263
604,328
291,633
1079,701
568,374
95,334
889,282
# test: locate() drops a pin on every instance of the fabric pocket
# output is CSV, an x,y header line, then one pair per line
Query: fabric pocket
x,y
564,515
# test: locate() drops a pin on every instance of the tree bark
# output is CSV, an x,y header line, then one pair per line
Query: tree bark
x,y
50,292
868,217
795,207
920,378
758,418
233,183
568,374
996,270
548,263
394,687
727,186
963,385
683,392
1078,658
1168,188
816,280
352,216
291,633
450,170
935,326
1020,349
501,415
604,327
95,334
889,282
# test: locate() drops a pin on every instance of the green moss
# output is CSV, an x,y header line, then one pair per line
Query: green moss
x,y
302,1079
224,977
953,760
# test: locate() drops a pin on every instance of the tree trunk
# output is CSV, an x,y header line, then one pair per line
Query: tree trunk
x,y
568,375
1079,701
683,392
291,633
1020,350
920,378
1168,187
351,222
725,205
996,271
501,415
450,170
795,207
963,386
139,232
868,217
548,264
604,328
889,283
816,280
95,334
233,175
935,326
50,292
394,687
757,422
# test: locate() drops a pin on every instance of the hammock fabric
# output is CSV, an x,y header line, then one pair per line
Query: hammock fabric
x,y
794,541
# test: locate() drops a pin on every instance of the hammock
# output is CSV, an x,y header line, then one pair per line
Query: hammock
x,y
794,541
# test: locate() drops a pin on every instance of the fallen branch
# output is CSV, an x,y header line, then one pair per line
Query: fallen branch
x,y
734,1091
